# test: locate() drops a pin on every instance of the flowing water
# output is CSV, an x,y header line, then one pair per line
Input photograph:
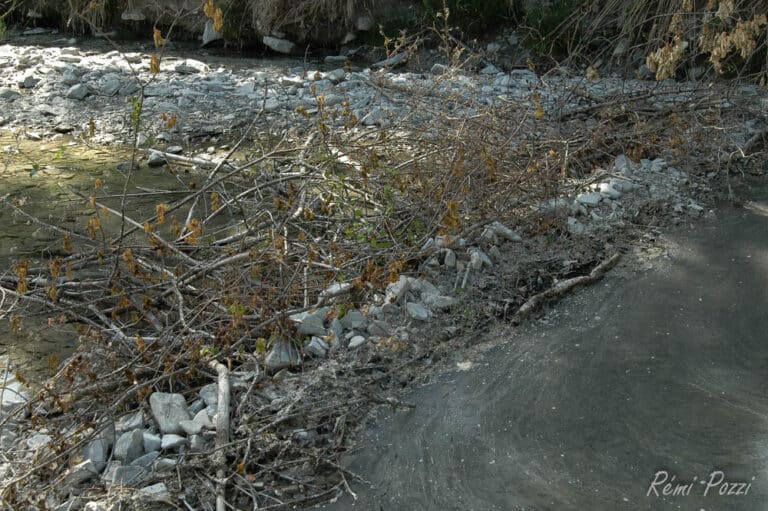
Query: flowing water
x,y
42,179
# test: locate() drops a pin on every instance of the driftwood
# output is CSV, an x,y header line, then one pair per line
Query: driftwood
x,y
222,434
565,286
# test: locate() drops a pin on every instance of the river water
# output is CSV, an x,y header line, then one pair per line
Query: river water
x,y
41,178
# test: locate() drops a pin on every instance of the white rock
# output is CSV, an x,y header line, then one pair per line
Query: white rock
x,y
282,355
502,231
209,34
417,311
203,419
172,441
209,393
450,258
12,394
591,199
353,319
622,185
35,442
191,427
155,492
152,442
131,421
168,410
608,191
278,45
336,289
317,347
574,226
396,291
439,302
79,92
356,342
129,446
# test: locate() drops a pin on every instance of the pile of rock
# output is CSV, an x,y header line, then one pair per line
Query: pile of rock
x,y
406,304
135,450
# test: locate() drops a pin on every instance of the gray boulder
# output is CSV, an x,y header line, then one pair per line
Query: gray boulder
x,y
97,450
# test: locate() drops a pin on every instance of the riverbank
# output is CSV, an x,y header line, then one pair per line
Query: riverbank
x,y
413,209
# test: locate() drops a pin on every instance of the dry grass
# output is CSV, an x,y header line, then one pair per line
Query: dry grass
x,y
306,17
673,35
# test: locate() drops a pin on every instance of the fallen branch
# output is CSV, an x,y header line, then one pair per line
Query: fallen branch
x,y
222,434
565,286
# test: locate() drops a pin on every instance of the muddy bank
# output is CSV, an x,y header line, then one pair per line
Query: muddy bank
x,y
654,376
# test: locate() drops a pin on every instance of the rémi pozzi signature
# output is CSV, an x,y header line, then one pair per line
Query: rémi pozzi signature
x,y
666,485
